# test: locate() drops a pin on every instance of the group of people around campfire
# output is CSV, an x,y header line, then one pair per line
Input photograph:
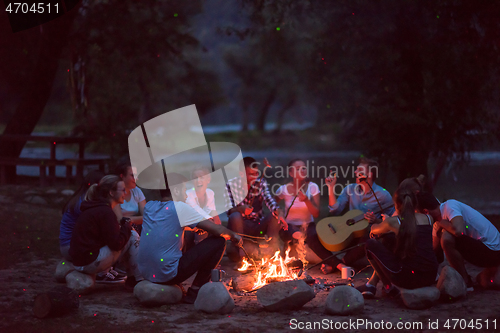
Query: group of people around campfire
x,y
109,229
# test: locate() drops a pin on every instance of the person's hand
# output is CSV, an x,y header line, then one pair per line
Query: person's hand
x,y
385,216
281,219
302,197
200,231
237,240
331,180
245,210
370,217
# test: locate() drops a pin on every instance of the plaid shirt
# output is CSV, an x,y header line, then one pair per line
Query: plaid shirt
x,y
259,191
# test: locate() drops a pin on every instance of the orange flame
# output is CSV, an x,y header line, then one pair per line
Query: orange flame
x,y
273,269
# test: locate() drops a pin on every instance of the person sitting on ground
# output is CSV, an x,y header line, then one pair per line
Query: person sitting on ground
x,y
202,199
160,257
247,217
133,205
305,196
414,185
364,195
98,241
71,211
463,234
413,263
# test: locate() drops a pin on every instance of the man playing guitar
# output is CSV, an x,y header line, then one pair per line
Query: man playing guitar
x,y
364,195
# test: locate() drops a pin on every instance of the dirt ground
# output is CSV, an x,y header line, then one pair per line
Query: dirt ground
x,y
30,253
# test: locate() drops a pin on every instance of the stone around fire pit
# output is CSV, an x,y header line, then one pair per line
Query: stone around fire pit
x,y
286,295
213,297
420,298
63,268
344,300
151,294
451,285
243,283
80,282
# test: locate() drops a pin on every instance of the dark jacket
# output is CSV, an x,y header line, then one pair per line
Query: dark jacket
x,y
96,227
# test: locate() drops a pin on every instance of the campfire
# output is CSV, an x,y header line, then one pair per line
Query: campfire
x,y
274,269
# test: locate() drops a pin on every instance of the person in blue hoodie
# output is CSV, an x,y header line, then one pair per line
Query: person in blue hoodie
x,y
71,211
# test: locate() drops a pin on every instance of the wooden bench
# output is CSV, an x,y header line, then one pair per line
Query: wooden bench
x,y
80,163
42,163
51,162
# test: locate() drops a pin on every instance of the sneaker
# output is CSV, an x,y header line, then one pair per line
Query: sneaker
x,y
118,273
190,296
367,291
108,278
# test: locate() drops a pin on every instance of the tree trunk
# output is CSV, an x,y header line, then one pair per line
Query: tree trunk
x,y
54,36
244,125
281,114
413,164
261,122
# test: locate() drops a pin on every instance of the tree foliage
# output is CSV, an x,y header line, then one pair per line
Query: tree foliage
x,y
140,61
410,81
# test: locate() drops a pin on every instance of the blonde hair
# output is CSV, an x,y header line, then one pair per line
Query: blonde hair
x,y
101,191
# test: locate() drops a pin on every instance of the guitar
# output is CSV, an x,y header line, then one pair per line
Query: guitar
x,y
337,232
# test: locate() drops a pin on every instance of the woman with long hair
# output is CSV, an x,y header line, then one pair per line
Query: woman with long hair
x,y
412,264
98,240
71,211
134,202
301,198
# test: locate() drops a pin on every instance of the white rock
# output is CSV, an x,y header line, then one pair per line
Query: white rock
x,y
153,294
451,284
420,298
38,200
80,282
67,192
213,297
63,268
344,300
243,282
287,295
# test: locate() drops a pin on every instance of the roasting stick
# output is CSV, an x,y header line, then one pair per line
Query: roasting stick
x,y
295,197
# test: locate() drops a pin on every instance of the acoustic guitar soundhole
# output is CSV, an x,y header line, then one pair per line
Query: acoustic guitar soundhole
x,y
350,222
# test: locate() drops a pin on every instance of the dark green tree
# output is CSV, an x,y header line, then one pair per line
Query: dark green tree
x,y
140,60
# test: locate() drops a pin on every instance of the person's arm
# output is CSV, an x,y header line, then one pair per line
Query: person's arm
x,y
313,203
220,230
388,225
330,183
115,236
456,226
215,217
138,218
118,212
229,203
340,203
272,205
